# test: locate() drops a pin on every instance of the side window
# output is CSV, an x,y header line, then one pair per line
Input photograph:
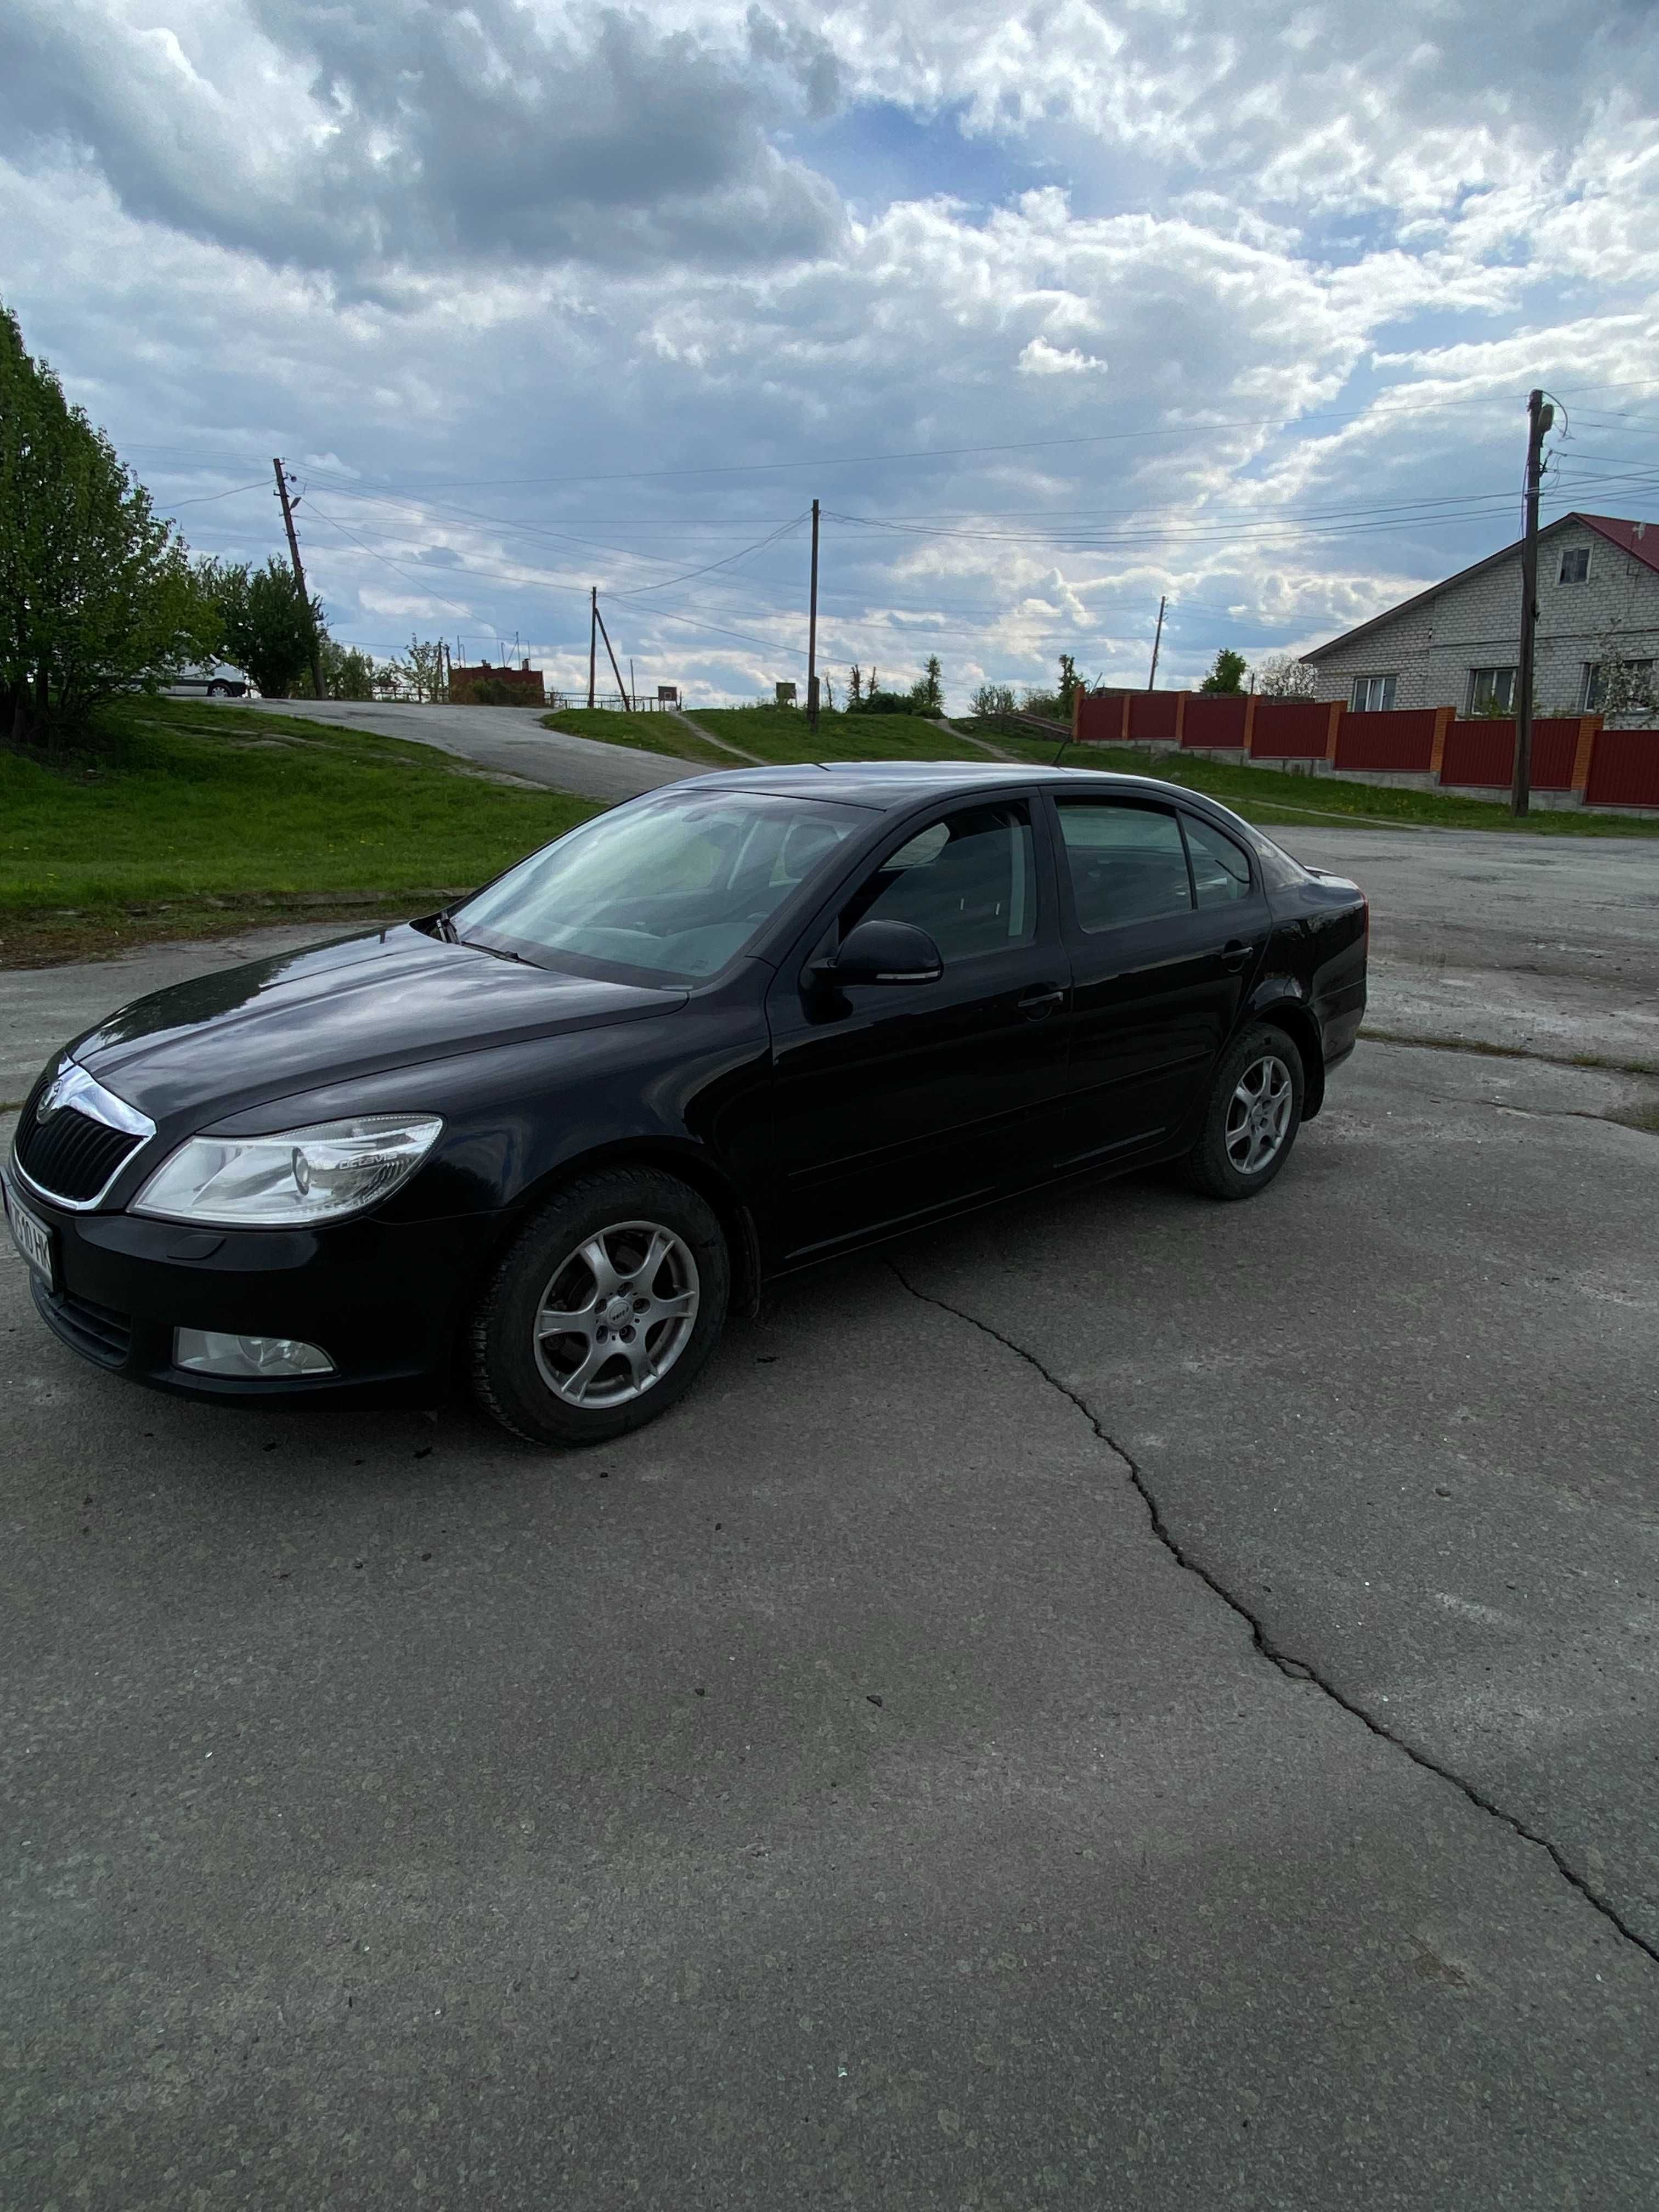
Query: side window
x,y
969,880
1127,863
1221,869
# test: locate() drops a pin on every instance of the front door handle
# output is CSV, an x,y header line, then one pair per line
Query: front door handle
x,y
1235,953
1038,1004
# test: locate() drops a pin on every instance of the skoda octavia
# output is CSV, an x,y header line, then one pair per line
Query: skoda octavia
x,y
550,1136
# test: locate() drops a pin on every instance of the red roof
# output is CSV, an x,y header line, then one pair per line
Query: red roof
x,y
1640,539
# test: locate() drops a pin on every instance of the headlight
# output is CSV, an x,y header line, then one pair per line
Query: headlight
x,y
292,1179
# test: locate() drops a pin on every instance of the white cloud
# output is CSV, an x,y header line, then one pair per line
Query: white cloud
x,y
1038,358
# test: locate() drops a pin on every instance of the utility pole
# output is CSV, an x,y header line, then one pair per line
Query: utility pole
x,y
611,651
592,641
1157,640
1539,416
812,634
299,572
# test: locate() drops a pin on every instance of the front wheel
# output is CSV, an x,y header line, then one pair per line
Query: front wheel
x,y
1254,1112
603,1310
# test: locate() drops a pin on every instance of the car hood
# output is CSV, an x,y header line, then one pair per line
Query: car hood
x,y
233,1040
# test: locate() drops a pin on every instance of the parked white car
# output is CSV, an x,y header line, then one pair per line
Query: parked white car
x,y
215,679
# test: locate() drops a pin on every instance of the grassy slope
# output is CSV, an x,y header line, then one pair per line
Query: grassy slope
x,y
644,733
197,807
781,733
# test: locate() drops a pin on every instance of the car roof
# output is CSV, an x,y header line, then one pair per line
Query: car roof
x,y
889,784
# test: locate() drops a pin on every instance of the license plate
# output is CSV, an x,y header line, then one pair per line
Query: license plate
x,y
32,1238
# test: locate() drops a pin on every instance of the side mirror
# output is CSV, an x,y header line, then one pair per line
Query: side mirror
x,y
883,952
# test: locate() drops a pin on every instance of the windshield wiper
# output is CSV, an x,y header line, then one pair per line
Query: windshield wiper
x,y
495,951
446,928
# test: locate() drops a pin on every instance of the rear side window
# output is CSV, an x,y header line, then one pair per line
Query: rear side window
x,y
968,880
1221,869
1126,863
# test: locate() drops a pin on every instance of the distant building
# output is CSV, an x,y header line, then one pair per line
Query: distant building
x,y
1458,644
524,684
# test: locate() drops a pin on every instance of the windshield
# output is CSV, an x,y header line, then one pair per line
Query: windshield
x,y
670,888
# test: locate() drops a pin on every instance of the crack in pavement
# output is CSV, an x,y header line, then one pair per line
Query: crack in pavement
x,y
1295,1669
1593,1063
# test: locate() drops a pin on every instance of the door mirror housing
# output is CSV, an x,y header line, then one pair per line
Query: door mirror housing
x,y
883,952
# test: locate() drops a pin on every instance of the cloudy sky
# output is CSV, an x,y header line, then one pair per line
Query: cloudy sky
x,y
1055,307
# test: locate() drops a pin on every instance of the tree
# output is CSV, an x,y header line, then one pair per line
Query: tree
x,y
854,684
928,691
423,668
269,629
96,592
1623,692
1227,674
1070,684
993,701
348,672
1282,675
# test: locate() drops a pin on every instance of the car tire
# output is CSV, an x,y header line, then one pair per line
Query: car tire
x,y
1250,1122
215,690
641,1330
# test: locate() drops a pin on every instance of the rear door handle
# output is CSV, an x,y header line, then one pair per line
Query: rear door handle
x,y
1235,953
1038,1004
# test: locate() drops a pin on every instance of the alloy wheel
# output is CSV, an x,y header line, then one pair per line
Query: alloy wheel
x,y
1258,1114
616,1314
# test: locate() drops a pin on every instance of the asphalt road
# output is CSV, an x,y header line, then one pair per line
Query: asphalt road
x,y
507,738
1121,1701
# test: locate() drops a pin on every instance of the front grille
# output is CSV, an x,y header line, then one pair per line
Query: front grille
x,y
69,1155
96,1331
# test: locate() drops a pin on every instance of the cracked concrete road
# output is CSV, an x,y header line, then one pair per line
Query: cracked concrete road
x,y
1119,1702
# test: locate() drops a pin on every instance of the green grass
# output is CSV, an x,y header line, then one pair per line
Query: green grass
x,y
779,734
644,733
192,808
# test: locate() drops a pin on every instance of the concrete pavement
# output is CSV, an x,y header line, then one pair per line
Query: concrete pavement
x,y
1550,945
1118,1702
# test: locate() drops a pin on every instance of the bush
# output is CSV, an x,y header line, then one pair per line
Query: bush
x,y
96,592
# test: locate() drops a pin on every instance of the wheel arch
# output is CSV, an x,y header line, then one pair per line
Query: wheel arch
x,y
692,1166
1281,1012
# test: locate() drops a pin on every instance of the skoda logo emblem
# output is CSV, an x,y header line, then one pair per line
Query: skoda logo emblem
x,y
54,1095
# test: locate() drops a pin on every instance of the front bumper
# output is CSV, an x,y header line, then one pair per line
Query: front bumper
x,y
383,1300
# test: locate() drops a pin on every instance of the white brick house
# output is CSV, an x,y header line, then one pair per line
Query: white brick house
x,y
1457,644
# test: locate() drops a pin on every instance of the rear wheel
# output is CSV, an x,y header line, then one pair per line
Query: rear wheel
x,y
603,1311
1254,1112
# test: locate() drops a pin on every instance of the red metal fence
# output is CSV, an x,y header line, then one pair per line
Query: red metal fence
x,y
1290,729
1623,769
1212,718
1154,715
1570,753
1395,743
1481,753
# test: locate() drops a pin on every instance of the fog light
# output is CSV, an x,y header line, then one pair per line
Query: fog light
x,y
205,1352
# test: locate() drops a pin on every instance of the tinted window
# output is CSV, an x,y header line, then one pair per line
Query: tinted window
x,y
672,886
967,880
1127,863
1221,872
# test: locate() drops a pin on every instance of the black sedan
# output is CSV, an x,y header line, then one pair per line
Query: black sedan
x,y
552,1134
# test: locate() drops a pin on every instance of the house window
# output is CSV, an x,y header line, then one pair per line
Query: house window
x,y
1575,565
1373,695
1633,687
1492,690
